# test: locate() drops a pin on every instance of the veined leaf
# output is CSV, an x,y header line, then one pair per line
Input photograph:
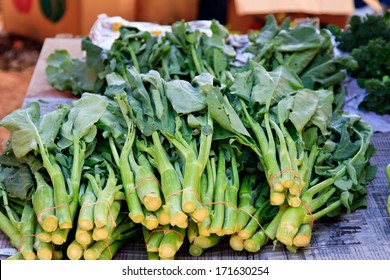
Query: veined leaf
x,y
305,105
271,87
222,111
81,119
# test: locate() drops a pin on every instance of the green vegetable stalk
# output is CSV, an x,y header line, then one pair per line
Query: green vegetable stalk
x,y
125,230
195,163
123,163
43,204
330,194
146,182
171,243
170,184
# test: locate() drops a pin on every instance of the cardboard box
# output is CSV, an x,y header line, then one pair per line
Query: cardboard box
x,y
167,11
246,15
39,19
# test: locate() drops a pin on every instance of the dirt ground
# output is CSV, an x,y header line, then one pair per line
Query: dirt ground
x,y
18,57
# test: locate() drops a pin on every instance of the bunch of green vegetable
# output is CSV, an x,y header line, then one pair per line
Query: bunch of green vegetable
x,y
251,153
305,50
367,40
361,30
181,53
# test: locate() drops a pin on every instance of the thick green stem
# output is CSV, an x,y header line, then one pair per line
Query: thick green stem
x,y
83,237
8,229
289,224
153,238
231,212
171,243
327,210
218,215
146,183
75,250
236,242
87,204
109,253
256,241
105,200
308,195
103,232
206,242
43,204
61,197
198,66
192,231
27,232
133,203
170,184
303,236
121,232
272,227
134,57
207,193
287,179
245,207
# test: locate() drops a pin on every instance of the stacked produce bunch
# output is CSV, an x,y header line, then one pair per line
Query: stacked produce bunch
x,y
171,141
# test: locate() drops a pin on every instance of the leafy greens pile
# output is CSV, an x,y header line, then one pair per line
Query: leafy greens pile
x,y
368,42
171,142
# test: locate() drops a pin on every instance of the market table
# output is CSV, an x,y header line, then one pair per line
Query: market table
x,y
362,235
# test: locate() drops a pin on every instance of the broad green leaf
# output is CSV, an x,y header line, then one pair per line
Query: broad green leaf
x,y
343,184
222,111
300,38
163,113
305,105
138,92
327,73
271,87
268,32
17,181
66,73
22,123
242,85
323,115
284,107
310,137
299,60
184,97
352,173
346,199
83,114
50,125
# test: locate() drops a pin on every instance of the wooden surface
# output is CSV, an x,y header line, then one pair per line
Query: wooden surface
x,y
39,85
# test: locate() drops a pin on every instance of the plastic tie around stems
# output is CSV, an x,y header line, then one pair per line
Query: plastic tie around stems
x,y
97,202
140,182
165,231
238,209
108,248
23,238
274,176
39,216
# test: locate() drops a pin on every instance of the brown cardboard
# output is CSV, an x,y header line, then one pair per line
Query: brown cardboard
x,y
166,11
332,7
77,20
91,9
33,24
246,15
